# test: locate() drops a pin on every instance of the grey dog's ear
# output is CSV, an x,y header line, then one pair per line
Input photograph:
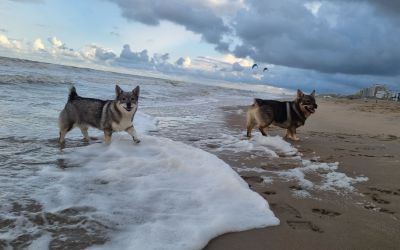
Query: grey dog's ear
x,y
136,91
313,93
118,90
300,93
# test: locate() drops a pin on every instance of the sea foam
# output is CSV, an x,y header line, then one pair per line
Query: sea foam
x,y
159,194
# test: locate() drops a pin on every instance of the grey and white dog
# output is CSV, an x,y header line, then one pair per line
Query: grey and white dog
x,y
107,115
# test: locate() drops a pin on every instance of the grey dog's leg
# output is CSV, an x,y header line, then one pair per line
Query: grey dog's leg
x,y
62,133
65,126
85,133
107,135
131,130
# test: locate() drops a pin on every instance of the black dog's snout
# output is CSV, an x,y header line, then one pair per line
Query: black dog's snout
x,y
315,106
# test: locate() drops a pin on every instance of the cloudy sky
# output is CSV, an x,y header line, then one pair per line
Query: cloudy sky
x,y
331,46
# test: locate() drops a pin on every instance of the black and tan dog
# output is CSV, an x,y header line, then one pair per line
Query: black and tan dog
x,y
289,115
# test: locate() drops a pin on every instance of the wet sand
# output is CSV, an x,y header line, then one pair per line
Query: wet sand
x,y
364,137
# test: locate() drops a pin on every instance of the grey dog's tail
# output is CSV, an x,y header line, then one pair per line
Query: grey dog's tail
x,y
72,93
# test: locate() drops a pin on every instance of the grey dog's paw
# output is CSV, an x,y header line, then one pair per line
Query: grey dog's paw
x,y
136,140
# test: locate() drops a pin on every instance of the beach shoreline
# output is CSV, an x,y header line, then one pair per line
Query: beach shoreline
x,y
363,137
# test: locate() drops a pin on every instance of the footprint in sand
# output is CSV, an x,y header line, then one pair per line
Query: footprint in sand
x,y
339,149
304,225
379,200
384,191
387,211
285,209
325,212
269,192
375,196
256,179
370,207
295,187
379,209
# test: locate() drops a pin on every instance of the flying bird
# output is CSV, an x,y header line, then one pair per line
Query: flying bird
x,y
254,66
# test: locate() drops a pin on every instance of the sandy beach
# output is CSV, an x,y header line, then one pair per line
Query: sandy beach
x,y
364,138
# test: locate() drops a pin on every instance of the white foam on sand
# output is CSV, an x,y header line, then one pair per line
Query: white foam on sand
x,y
145,123
42,242
331,180
273,146
276,146
159,194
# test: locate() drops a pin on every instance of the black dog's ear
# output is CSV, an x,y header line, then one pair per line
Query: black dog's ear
x,y
118,90
136,91
300,93
313,93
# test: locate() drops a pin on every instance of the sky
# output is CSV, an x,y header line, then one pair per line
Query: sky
x,y
333,46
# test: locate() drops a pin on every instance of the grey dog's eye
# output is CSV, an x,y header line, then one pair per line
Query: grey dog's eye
x,y
123,99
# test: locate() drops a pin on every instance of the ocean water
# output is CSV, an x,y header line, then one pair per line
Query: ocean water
x,y
171,191
164,193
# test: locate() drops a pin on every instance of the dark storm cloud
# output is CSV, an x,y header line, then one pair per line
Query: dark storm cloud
x,y
160,58
142,60
350,37
237,67
344,37
386,6
28,1
194,17
128,56
180,61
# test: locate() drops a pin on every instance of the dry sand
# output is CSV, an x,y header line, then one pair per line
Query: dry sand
x,y
364,137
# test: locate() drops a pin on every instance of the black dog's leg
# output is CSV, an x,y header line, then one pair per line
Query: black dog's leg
x,y
263,130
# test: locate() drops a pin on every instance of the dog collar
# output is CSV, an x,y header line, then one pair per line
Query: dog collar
x,y
289,114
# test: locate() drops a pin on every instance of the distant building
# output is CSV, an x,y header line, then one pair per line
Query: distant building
x,y
376,91
394,96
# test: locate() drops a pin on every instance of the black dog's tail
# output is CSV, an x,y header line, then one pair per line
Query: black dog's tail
x,y
72,93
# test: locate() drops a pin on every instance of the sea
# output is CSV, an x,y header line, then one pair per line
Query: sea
x,y
171,191
167,192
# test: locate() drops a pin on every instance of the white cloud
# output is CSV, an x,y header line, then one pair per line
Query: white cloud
x,y
244,62
70,53
225,7
38,45
7,43
56,42
17,44
96,53
313,7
